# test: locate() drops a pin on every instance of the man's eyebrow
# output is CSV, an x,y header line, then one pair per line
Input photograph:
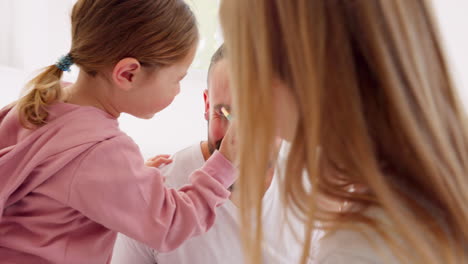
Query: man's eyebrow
x,y
219,106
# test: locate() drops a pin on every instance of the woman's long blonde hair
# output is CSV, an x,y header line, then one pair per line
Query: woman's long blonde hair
x,y
377,109
157,33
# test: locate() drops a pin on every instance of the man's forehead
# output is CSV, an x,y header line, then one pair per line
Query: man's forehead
x,y
218,86
220,97
220,90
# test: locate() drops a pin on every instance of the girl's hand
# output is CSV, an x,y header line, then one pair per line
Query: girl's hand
x,y
158,160
229,146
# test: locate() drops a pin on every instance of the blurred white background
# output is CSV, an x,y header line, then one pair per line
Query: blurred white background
x,y
34,33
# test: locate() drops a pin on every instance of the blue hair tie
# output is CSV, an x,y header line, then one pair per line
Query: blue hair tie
x,y
64,63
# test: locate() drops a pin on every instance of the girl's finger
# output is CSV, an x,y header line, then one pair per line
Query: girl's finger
x,y
159,156
158,162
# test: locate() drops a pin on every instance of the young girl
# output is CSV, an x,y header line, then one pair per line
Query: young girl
x,y
70,178
362,91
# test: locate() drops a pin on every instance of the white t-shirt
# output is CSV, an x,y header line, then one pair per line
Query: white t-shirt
x,y
222,243
350,246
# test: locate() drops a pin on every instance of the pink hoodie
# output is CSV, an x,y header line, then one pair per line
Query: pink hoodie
x,y
69,186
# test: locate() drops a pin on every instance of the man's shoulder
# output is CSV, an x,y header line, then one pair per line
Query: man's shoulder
x,y
187,157
184,162
128,250
188,152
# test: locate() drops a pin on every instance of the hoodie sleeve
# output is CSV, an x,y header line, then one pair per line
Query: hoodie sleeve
x,y
113,187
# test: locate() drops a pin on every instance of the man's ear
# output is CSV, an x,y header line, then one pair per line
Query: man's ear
x,y
125,72
206,98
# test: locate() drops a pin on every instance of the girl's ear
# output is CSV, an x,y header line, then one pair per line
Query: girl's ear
x,y
124,72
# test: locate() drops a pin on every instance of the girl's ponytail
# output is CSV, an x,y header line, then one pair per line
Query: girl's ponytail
x,y
45,89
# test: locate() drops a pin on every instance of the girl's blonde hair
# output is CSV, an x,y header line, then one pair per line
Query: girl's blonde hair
x,y
157,33
380,124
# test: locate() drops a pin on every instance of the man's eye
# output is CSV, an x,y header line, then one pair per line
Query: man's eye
x,y
220,115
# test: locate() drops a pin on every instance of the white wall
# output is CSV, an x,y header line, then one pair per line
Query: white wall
x,y
33,33
453,21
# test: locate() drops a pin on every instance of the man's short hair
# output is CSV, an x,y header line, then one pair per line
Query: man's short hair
x,y
217,56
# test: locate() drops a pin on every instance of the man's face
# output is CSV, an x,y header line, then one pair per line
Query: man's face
x,y
217,96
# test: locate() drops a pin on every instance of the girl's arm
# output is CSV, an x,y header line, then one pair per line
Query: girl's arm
x,y
113,187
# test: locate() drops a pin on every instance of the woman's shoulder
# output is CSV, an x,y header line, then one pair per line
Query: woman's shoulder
x,y
346,246
353,246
